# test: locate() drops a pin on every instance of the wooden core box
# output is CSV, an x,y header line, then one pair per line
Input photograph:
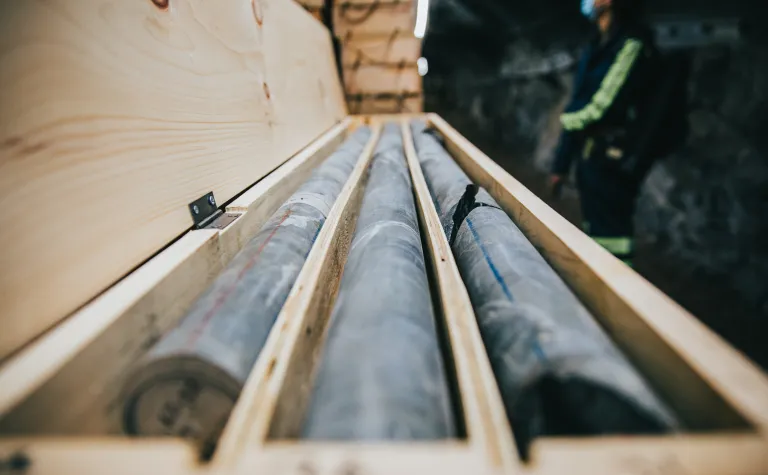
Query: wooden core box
x,y
118,115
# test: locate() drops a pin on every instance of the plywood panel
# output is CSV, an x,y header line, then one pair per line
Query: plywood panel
x,y
372,18
401,47
117,114
415,458
382,79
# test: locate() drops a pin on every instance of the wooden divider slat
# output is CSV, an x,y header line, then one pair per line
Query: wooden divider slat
x,y
447,458
484,414
102,456
274,397
69,381
730,454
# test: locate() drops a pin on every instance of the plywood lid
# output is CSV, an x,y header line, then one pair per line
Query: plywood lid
x,y
117,115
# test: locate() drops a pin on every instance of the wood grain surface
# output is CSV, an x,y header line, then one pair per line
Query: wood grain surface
x,y
399,47
116,114
371,18
392,79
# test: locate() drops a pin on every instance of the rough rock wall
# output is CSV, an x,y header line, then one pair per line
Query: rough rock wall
x,y
708,204
514,104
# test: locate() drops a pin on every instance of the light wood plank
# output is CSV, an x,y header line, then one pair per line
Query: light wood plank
x,y
101,456
397,48
708,383
732,454
448,458
392,79
484,415
69,381
275,396
389,104
303,80
118,114
368,18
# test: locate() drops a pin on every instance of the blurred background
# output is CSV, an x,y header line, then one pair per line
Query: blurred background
x,y
502,71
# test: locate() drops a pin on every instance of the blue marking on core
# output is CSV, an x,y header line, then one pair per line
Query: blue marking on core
x,y
495,271
437,207
314,238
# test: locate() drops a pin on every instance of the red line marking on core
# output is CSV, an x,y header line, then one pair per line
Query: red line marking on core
x,y
228,291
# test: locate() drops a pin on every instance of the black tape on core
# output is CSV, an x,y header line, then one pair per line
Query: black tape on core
x,y
466,205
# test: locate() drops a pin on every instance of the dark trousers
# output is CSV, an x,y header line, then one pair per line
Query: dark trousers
x,y
608,199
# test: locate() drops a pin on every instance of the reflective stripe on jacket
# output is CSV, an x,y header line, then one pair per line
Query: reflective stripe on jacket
x,y
612,80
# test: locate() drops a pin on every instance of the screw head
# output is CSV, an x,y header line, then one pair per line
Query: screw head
x,y
195,209
211,200
18,462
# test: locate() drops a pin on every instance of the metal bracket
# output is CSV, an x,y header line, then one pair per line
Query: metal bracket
x,y
223,221
204,210
17,463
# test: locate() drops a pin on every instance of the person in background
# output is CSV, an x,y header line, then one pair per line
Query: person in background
x,y
603,123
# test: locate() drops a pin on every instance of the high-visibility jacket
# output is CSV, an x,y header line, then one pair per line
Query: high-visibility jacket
x,y
601,126
612,84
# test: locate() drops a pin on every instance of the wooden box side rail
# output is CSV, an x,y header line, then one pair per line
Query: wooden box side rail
x,y
710,385
445,458
117,115
732,454
80,364
397,48
97,456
